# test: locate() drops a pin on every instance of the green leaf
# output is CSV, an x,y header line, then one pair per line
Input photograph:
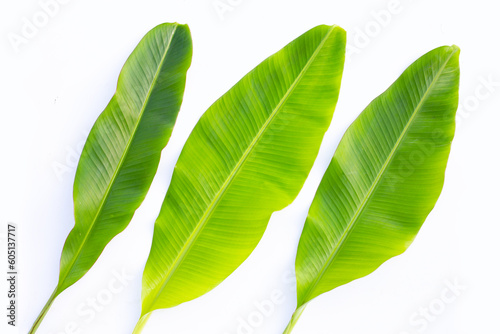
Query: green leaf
x,y
384,178
122,152
247,157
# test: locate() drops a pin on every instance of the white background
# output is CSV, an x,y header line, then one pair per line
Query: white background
x,y
57,83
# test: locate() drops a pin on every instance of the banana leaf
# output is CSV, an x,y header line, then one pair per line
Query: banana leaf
x,y
122,152
247,157
384,179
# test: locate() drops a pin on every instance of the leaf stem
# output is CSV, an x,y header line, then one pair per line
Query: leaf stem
x,y
44,311
141,323
295,317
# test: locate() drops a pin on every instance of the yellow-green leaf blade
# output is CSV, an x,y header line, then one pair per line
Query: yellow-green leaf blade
x,y
384,178
122,152
247,157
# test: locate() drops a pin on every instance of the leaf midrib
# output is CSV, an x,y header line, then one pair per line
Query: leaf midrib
x,y
373,187
122,159
210,209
